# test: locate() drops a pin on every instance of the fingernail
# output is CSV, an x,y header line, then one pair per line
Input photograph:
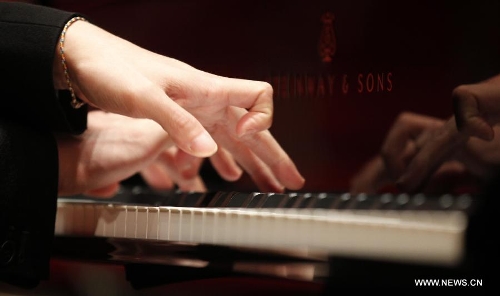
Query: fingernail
x,y
203,145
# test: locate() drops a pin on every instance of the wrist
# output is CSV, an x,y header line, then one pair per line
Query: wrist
x,y
61,71
58,71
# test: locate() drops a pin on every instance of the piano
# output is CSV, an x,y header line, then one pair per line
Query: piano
x,y
342,71
297,236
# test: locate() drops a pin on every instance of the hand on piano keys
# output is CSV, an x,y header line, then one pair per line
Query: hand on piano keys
x,y
116,147
204,115
426,154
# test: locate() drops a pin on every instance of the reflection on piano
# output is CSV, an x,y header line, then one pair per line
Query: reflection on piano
x,y
330,116
190,229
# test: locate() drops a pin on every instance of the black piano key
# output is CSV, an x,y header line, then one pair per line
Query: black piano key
x,y
324,201
173,200
361,201
239,200
141,196
446,201
415,202
192,199
384,201
464,202
293,200
305,201
208,198
342,201
402,201
147,196
211,203
274,200
257,201
220,199
424,202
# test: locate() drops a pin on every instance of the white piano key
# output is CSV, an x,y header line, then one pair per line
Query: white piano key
x,y
141,229
69,227
153,219
61,218
130,221
106,226
90,221
164,227
175,225
192,228
184,224
120,222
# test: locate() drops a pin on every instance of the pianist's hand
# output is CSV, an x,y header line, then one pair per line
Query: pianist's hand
x,y
199,110
113,148
426,154
477,108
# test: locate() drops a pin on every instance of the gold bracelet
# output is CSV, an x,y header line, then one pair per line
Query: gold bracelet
x,y
75,102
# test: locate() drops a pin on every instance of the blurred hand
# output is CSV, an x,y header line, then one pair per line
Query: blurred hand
x,y
477,108
113,148
175,167
421,152
199,110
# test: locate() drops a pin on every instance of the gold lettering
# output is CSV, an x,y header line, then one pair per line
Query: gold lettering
x,y
360,83
389,82
345,84
304,86
369,82
380,82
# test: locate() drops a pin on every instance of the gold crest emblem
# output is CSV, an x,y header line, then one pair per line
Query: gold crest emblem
x,y
327,41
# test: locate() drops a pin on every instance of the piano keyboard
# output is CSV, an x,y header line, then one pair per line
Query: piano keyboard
x,y
404,228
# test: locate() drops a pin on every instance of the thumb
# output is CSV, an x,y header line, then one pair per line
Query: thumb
x,y
468,117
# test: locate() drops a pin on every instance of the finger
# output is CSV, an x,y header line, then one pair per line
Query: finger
x,y
167,162
135,96
253,165
468,117
265,147
155,176
224,163
187,165
256,97
447,178
372,177
441,146
407,127
184,129
107,191
195,184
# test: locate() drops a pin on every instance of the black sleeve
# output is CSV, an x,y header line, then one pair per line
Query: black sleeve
x,y
28,190
30,111
28,39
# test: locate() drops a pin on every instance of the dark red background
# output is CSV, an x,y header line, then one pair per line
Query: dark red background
x,y
428,47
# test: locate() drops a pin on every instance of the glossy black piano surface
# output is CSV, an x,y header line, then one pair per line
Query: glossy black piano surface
x,y
145,196
333,106
334,101
220,258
